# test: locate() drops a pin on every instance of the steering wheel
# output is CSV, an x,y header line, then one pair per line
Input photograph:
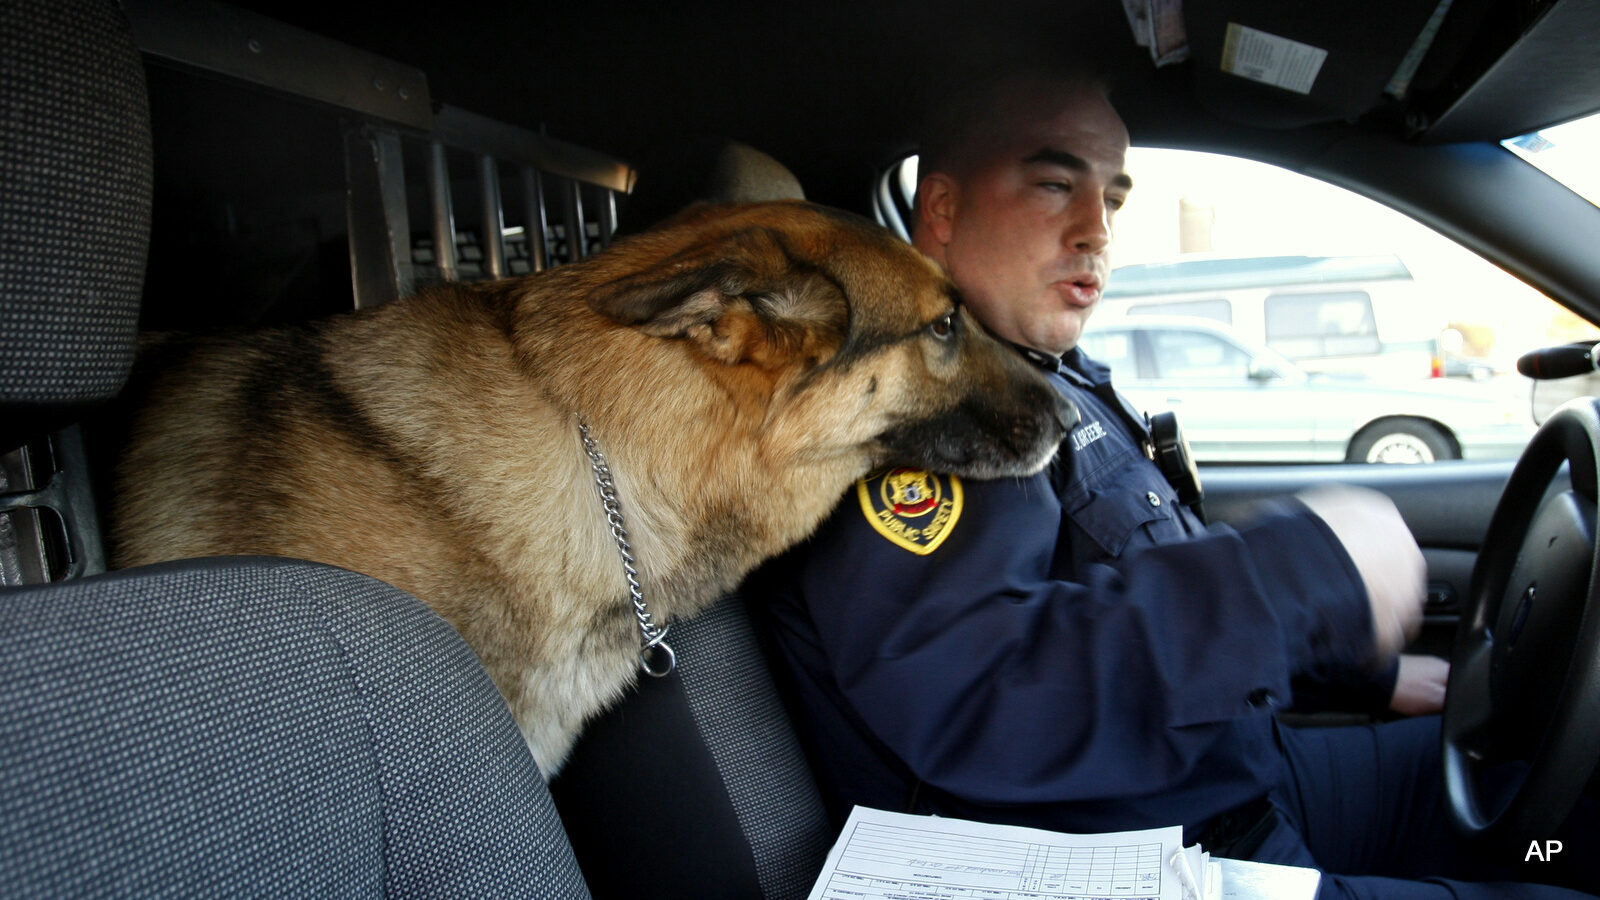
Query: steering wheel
x,y
1522,714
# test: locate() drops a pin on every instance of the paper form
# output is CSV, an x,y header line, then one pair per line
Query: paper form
x,y
894,856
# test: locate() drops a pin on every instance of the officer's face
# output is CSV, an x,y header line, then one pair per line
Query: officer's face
x,y
1025,229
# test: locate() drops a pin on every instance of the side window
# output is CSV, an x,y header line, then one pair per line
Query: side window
x,y
1215,308
1321,324
1114,348
1361,313
1198,355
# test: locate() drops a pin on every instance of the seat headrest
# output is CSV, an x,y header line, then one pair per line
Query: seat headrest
x,y
705,170
75,186
742,174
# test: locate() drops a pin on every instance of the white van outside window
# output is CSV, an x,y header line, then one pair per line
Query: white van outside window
x,y
1318,311
1306,326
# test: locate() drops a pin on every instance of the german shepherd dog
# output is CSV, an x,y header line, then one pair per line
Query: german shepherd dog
x,y
738,369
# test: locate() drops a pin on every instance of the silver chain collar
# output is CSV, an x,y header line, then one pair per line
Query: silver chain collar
x,y
654,635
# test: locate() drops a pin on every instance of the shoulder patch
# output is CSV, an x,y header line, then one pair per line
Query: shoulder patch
x,y
914,508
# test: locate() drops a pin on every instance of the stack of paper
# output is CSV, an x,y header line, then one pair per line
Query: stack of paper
x,y
883,856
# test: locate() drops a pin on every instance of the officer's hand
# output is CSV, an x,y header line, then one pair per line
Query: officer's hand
x,y
1386,555
1420,687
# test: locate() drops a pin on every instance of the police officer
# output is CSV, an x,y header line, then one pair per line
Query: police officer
x,y
1076,650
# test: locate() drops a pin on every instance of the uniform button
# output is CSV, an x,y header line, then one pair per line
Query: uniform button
x,y
1154,500
1260,697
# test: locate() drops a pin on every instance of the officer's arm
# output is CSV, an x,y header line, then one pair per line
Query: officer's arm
x,y
999,684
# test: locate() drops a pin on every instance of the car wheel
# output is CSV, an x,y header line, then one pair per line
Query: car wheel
x,y
1401,441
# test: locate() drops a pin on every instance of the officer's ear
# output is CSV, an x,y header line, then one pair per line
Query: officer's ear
x,y
938,199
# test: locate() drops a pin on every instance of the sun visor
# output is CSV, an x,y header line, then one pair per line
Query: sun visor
x,y
1272,64
1513,95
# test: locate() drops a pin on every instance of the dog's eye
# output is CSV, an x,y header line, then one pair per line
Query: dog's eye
x,y
943,327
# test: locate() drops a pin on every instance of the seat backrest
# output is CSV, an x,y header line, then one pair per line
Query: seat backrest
x,y
75,199
253,726
694,785
74,210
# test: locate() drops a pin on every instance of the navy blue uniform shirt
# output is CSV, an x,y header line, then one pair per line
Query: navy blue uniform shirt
x,y
1086,657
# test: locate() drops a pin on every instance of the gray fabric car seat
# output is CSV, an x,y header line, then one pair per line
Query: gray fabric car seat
x,y
694,785
75,184
74,210
255,726
223,727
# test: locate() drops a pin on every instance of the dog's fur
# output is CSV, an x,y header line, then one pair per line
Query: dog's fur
x,y
740,367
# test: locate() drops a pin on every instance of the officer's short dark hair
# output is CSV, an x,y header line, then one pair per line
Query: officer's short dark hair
x,y
955,122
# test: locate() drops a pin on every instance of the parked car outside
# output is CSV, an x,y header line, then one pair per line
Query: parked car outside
x,y
1242,402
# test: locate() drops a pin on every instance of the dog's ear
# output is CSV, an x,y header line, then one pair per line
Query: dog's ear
x,y
709,294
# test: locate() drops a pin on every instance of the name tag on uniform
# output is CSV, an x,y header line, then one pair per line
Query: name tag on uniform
x,y
1087,434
